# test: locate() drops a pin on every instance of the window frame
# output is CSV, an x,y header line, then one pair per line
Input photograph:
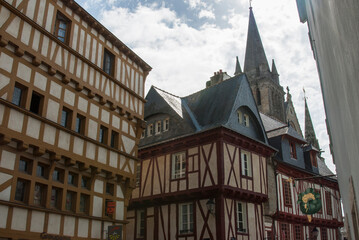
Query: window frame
x,y
287,193
158,127
114,139
150,130
72,207
36,108
313,159
60,17
55,201
292,150
28,165
67,120
84,199
328,203
41,195
23,95
295,232
181,172
188,215
246,161
108,58
80,123
140,223
241,210
166,124
24,191
103,135
286,232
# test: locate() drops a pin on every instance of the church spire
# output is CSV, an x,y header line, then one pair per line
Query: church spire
x,y
238,67
255,56
309,129
275,74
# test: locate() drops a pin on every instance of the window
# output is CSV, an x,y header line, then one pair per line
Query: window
x,y
62,28
66,117
328,203
323,233
19,95
25,165
40,194
109,188
287,194
246,164
284,231
186,218
240,116
84,203
22,190
57,175
41,170
318,191
166,124
36,103
293,152
70,201
178,165
158,127
313,158
72,179
114,139
298,234
150,130
140,223
138,175
85,182
143,134
55,201
80,124
108,62
241,217
246,120
103,135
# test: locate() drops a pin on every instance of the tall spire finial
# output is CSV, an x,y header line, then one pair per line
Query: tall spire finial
x,y
238,67
250,3
309,129
305,97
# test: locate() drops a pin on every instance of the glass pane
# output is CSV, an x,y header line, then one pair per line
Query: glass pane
x,y
23,166
54,194
70,179
69,201
20,190
16,97
37,195
62,25
78,124
63,118
40,171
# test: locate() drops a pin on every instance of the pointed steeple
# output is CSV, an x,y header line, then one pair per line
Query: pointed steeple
x,y
309,129
238,68
255,55
275,74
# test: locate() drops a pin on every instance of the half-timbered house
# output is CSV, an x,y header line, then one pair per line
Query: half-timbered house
x,y
71,116
203,170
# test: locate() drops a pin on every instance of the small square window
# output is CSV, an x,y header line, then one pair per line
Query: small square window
x,y
246,164
58,175
114,139
158,127
166,124
85,182
108,62
56,195
66,117
80,124
19,95
70,201
62,28
25,165
42,170
84,203
103,135
40,194
22,190
110,188
72,179
37,101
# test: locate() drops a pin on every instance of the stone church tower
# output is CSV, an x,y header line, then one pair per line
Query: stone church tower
x,y
268,93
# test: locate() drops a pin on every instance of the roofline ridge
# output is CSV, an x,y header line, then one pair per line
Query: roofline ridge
x,y
274,119
165,91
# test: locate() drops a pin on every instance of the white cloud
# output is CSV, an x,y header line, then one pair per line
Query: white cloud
x,y
206,14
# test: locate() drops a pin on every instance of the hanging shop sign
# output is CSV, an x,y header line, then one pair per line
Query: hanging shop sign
x,y
114,232
309,202
110,208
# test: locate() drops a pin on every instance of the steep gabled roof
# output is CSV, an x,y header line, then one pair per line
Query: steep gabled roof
x,y
255,54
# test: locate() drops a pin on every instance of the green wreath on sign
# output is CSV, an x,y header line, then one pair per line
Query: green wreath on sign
x,y
310,202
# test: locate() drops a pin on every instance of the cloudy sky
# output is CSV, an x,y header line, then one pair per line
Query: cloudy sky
x,y
186,41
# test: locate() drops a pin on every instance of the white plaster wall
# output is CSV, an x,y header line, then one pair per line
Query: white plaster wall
x,y
98,186
83,227
52,110
3,215
128,143
13,28
124,126
82,104
69,97
102,155
90,150
92,129
54,224
78,146
40,81
69,226
23,72
5,194
97,207
105,116
96,229
7,160
19,217
37,221
115,122
64,140
94,109
16,120
119,210
33,128
6,61
49,134
113,159
119,192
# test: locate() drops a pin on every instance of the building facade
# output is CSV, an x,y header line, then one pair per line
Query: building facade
x,y
71,115
203,171
333,35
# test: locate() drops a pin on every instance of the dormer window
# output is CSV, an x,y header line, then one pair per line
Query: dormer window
x,y
158,127
293,152
243,118
150,130
166,124
313,159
